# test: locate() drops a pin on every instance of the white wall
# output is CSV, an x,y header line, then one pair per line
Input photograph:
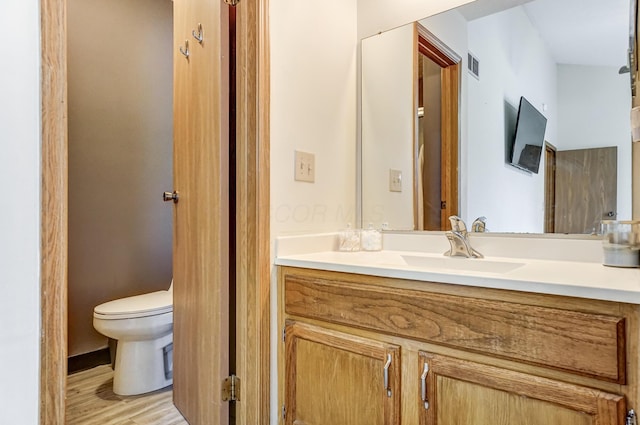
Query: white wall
x,y
593,112
388,126
20,214
514,62
313,109
375,16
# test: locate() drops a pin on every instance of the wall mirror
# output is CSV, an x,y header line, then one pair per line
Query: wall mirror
x,y
437,133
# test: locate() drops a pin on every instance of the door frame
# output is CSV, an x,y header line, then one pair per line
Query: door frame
x,y
550,188
252,234
431,47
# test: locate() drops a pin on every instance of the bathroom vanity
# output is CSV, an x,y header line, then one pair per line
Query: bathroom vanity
x,y
386,338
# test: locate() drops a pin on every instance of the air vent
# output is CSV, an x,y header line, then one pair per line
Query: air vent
x,y
473,64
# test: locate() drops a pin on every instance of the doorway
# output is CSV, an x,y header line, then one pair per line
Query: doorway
x,y
436,148
120,157
253,275
120,127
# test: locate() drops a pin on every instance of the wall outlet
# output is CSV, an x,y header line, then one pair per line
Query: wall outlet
x,y
305,167
395,181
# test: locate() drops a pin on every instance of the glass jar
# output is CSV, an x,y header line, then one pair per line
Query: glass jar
x,y
621,243
349,239
371,239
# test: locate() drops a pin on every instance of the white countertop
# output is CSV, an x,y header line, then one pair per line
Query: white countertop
x,y
583,279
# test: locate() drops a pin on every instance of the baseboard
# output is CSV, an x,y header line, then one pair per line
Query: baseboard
x,y
88,360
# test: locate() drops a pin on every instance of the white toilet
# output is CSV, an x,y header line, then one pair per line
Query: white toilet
x,y
143,328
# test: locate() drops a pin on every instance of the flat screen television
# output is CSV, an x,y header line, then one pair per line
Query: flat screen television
x,y
529,137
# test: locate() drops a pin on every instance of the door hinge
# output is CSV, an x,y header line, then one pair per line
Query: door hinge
x,y
631,418
232,2
231,388
284,333
284,412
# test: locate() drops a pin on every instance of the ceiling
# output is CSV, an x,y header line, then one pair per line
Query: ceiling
x,y
581,32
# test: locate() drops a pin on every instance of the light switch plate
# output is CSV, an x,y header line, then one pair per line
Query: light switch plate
x,y
305,167
395,181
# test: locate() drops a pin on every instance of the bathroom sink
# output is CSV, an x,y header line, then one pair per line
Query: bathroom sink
x,y
461,264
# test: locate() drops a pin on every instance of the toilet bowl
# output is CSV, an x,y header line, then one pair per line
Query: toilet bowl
x,y
142,325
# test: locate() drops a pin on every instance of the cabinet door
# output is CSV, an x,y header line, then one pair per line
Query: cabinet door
x,y
334,378
454,392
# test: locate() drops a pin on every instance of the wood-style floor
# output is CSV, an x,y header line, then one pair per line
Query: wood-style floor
x,y
91,401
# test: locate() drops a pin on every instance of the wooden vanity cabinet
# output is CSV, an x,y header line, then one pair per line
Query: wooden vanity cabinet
x,y
458,355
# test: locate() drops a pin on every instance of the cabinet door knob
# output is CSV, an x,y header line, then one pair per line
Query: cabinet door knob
x,y
423,386
386,375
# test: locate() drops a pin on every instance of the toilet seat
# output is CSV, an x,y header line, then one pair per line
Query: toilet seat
x,y
151,304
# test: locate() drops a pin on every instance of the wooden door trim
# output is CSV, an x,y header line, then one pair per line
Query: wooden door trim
x,y
449,154
253,271
430,46
550,188
434,49
253,235
53,213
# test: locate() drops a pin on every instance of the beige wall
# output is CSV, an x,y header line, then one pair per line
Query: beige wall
x,y
313,108
120,155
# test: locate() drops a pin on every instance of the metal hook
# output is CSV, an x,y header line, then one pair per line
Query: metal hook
x,y
185,51
198,35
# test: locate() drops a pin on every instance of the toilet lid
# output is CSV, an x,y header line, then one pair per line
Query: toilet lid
x,y
150,304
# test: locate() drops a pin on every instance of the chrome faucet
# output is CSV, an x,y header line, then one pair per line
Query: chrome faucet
x,y
479,225
459,240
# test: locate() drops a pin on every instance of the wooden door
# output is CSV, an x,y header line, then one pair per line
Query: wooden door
x,y
335,378
431,141
201,264
586,189
464,392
